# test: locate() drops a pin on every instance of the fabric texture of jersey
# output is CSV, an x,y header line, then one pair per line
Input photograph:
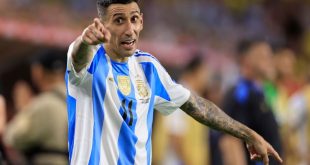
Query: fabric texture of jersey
x,y
111,106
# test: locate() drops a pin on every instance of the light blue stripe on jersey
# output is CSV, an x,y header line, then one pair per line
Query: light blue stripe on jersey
x,y
127,138
71,118
99,68
158,89
154,80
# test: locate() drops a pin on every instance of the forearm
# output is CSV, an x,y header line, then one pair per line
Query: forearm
x,y
81,54
209,114
2,115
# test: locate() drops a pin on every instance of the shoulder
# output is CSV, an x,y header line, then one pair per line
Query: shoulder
x,y
241,92
142,56
46,102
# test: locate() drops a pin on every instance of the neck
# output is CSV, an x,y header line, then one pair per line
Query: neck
x,y
251,77
50,83
114,56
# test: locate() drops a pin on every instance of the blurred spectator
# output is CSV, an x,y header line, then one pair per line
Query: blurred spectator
x,y
2,127
22,95
294,130
291,107
306,95
40,129
2,115
286,81
246,103
183,131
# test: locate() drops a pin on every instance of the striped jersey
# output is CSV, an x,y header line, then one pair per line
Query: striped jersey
x,y
111,107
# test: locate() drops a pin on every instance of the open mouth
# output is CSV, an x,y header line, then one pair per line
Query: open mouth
x,y
128,44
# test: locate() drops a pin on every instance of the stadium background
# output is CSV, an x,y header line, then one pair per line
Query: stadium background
x,y
174,31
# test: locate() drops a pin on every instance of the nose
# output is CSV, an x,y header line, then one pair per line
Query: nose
x,y
129,29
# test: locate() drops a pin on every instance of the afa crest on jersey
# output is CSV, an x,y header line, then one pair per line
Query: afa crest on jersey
x,y
124,84
141,87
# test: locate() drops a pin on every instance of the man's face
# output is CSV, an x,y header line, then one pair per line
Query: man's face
x,y
201,77
125,22
261,62
285,62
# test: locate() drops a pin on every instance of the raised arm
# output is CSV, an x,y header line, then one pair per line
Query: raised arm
x,y
83,46
210,115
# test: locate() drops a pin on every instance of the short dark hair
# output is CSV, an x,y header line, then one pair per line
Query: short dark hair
x,y
247,44
195,63
51,59
102,5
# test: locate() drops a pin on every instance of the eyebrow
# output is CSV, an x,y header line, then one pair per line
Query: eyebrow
x,y
120,14
135,12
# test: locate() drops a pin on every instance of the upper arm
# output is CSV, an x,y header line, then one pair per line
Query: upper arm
x,y
28,127
196,103
196,107
169,95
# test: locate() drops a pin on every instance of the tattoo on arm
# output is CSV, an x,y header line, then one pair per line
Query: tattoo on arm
x,y
209,114
81,54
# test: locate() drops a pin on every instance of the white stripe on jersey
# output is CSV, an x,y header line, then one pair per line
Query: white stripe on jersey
x,y
84,123
84,116
81,87
109,152
141,126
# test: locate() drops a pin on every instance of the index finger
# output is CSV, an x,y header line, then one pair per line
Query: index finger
x,y
275,154
99,25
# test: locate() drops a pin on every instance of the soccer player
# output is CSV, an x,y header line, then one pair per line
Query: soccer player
x,y
113,89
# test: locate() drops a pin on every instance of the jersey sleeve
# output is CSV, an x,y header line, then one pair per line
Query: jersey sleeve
x,y
169,94
75,77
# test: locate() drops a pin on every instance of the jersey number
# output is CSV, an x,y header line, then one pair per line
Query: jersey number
x,y
125,114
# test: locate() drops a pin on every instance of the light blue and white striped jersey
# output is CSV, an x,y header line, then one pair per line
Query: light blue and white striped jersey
x,y
111,107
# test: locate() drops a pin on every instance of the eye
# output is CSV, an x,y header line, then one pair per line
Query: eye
x,y
119,20
134,19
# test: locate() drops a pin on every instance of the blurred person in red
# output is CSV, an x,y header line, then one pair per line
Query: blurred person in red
x,y
287,79
183,131
245,102
39,130
306,100
291,107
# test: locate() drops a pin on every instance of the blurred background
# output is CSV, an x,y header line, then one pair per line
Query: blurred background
x,y
205,45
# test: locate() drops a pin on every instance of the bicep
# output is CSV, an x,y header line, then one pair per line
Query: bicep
x,y
170,95
197,107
